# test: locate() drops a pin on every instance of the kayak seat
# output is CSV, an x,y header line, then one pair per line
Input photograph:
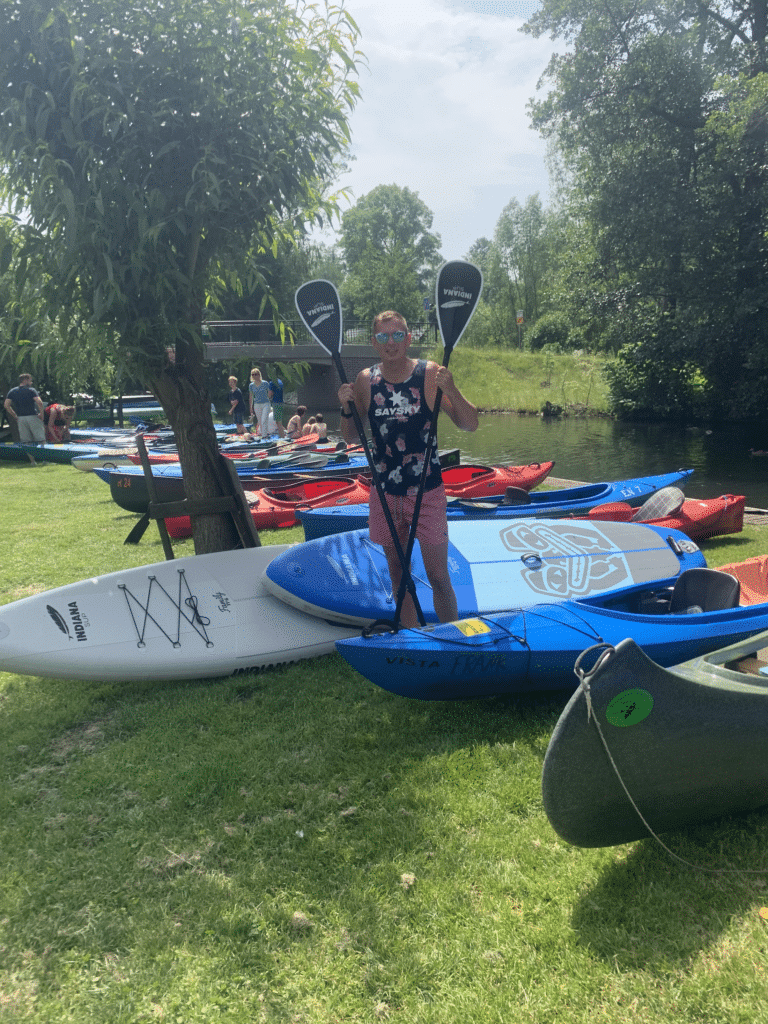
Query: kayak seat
x,y
516,496
704,590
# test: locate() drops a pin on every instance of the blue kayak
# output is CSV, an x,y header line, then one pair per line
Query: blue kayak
x,y
128,485
535,648
332,465
568,501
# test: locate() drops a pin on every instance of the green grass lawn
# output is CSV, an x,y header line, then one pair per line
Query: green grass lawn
x,y
510,380
296,845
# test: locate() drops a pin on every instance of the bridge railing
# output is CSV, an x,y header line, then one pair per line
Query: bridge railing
x,y
255,332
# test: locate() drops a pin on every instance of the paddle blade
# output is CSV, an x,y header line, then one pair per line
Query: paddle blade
x,y
457,292
663,503
319,307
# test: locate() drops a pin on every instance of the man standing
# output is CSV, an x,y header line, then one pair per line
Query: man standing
x,y
398,395
23,404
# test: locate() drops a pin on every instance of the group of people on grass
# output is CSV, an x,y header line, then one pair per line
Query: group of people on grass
x,y
265,396
37,423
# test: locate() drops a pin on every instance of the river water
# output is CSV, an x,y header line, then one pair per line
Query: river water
x,y
600,449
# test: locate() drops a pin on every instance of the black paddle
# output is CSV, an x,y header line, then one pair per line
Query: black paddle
x,y
319,307
457,292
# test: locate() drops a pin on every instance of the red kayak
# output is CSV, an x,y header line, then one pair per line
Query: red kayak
x,y
162,458
276,506
471,481
698,518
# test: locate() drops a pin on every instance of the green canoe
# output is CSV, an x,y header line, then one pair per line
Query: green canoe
x,y
690,744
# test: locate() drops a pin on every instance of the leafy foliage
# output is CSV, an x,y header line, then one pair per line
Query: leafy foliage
x,y
151,145
158,150
552,329
520,242
653,376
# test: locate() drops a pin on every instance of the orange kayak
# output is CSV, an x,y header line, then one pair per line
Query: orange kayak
x,y
276,506
752,574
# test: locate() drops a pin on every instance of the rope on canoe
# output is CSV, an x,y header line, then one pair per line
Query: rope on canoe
x,y
606,651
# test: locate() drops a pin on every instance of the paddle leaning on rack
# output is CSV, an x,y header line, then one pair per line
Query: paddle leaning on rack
x,y
457,293
319,307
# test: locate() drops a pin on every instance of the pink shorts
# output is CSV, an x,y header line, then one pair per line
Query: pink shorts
x,y
433,524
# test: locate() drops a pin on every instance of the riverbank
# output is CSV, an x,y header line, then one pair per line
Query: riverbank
x,y
509,381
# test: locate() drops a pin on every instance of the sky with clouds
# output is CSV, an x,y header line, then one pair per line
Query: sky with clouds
x,y
443,109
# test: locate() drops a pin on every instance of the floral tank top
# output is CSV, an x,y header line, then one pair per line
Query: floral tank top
x,y
400,421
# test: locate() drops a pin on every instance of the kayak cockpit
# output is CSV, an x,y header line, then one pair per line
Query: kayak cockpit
x,y
696,590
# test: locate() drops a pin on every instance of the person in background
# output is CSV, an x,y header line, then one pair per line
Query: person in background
x,y
309,427
294,423
237,407
23,404
276,398
258,391
398,395
321,427
58,420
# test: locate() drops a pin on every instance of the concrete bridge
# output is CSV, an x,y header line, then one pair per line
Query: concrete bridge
x,y
255,340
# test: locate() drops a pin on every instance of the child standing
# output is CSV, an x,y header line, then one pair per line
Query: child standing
x,y
237,405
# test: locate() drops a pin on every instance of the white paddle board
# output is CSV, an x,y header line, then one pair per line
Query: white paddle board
x,y
494,566
189,618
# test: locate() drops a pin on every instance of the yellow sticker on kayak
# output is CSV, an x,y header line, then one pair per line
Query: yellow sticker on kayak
x,y
472,627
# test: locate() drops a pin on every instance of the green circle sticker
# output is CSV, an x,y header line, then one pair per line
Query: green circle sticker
x,y
629,707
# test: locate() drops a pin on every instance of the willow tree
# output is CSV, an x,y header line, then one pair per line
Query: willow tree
x,y
155,150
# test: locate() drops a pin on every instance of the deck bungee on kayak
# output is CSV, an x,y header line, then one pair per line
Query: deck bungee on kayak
x,y
535,648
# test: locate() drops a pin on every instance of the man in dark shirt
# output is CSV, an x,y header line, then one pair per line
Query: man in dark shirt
x,y
23,404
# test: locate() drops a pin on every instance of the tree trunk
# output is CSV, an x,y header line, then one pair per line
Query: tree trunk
x,y
180,388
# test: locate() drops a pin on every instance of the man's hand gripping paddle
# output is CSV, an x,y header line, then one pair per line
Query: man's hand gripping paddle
x,y
319,307
457,293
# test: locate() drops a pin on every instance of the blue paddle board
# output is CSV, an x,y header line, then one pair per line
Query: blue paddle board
x,y
493,566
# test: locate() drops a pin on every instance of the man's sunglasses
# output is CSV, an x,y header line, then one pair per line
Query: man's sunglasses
x,y
382,337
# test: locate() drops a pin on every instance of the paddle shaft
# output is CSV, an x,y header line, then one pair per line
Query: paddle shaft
x,y
420,494
406,580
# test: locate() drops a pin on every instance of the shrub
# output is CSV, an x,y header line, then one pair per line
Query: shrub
x,y
552,330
